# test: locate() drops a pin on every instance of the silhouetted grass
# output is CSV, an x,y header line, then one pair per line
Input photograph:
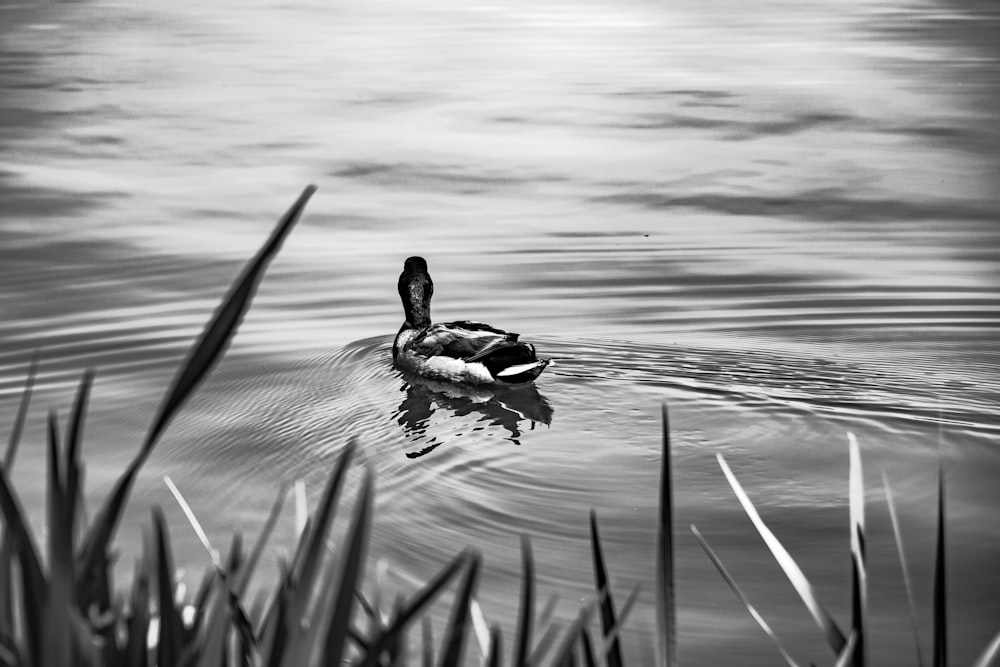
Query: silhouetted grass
x,y
57,607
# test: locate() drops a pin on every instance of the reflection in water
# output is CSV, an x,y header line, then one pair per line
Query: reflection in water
x,y
504,407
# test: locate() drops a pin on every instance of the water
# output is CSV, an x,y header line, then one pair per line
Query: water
x,y
781,222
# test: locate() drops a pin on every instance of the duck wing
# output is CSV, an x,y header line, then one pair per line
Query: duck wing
x,y
466,340
506,359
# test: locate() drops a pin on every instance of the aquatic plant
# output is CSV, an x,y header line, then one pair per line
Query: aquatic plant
x,y
850,649
58,606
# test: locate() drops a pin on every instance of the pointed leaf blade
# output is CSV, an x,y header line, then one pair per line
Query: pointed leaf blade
x,y
216,336
834,636
456,630
898,535
22,414
666,604
410,611
847,655
200,360
526,614
739,594
608,622
58,603
246,572
357,544
170,644
480,628
989,653
940,657
859,567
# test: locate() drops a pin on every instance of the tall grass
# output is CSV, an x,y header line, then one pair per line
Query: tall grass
x,y
58,607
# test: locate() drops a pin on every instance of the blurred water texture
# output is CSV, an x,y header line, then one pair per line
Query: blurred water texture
x,y
782,221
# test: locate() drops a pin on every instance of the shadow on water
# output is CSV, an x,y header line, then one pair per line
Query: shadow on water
x,y
430,405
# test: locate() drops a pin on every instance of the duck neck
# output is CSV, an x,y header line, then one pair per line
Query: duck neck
x,y
416,292
418,314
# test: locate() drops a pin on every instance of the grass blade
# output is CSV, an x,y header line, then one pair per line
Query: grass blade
x,y
234,556
428,643
134,652
308,557
548,609
170,643
214,627
623,614
834,635
544,644
480,628
608,623
526,614
199,603
847,655
564,653
74,438
33,586
396,650
373,614
455,631
411,610
739,594
276,640
206,351
213,553
898,534
666,604
308,575
859,567
315,618
56,505
22,414
495,656
587,648
940,653
355,636
7,593
246,572
16,539
220,615
216,336
989,653
357,544
55,488
58,602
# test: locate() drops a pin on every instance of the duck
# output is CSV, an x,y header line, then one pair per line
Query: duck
x,y
465,352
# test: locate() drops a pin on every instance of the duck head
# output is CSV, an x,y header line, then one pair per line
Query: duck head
x,y
416,289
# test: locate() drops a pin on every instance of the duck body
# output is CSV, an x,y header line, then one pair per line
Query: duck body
x,y
467,352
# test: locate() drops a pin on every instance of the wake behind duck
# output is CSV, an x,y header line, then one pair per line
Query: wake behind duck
x,y
470,352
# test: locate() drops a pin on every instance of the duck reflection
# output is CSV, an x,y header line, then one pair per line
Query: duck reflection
x,y
512,409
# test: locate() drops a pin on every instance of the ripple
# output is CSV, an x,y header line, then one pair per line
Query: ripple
x,y
787,382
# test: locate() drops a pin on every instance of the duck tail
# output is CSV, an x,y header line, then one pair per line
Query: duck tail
x,y
520,373
513,362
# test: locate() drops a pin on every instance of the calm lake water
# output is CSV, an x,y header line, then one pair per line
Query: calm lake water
x,y
782,222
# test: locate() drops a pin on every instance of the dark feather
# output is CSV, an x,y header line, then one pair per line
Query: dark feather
x,y
468,341
470,325
508,355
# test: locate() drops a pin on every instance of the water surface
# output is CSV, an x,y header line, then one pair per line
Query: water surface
x,y
782,223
